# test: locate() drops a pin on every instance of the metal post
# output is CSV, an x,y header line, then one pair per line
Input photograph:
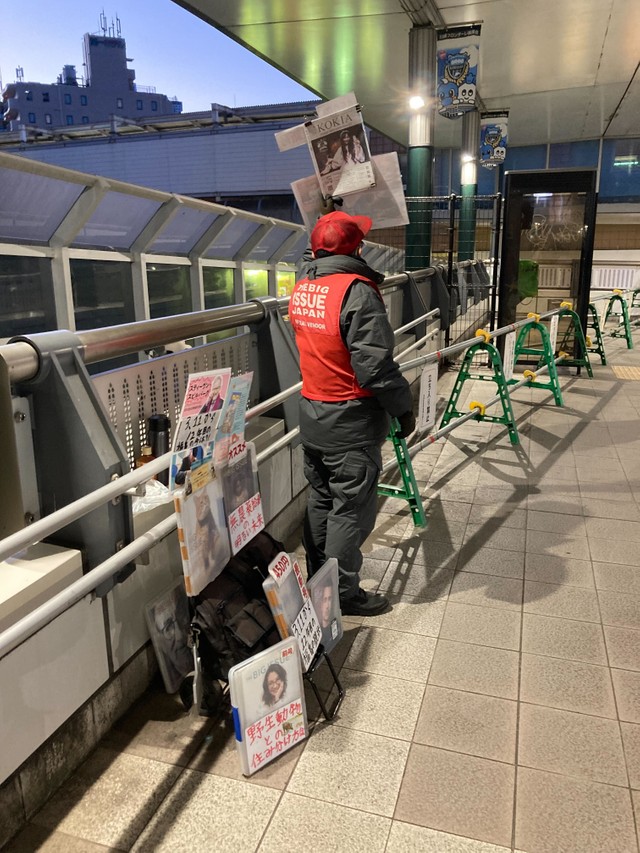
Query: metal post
x,y
469,185
497,214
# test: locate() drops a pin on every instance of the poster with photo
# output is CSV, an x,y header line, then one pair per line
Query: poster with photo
x,y
186,462
229,436
168,621
243,503
340,152
324,592
203,403
202,531
267,700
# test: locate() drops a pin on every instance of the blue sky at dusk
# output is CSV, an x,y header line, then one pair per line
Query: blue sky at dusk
x,y
171,49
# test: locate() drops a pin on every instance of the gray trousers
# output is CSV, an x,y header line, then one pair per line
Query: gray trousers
x,y
341,511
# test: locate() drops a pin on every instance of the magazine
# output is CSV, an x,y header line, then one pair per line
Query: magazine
x,y
267,700
203,402
202,531
323,589
168,622
340,152
291,606
185,463
229,436
242,499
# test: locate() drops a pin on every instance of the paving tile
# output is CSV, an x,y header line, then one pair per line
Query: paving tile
x,y
571,744
615,551
618,529
486,590
503,517
561,813
478,669
300,823
380,705
490,535
557,544
443,530
485,626
631,744
545,568
623,646
544,502
563,523
468,722
563,638
627,688
351,768
491,561
36,838
617,578
201,807
95,804
411,614
571,685
619,608
611,509
459,794
406,837
448,510
392,653
561,600
404,578
418,549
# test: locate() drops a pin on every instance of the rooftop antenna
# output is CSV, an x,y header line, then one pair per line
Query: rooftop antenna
x,y
20,73
103,23
118,27
112,29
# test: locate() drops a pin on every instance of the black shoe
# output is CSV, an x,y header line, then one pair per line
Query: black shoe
x,y
364,603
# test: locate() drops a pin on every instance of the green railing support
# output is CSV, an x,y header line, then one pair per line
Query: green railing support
x,y
545,356
593,322
409,490
575,360
623,329
464,374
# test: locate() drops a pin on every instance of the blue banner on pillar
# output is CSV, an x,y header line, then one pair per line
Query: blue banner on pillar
x,y
493,137
457,53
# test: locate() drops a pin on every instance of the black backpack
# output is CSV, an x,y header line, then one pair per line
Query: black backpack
x,y
231,619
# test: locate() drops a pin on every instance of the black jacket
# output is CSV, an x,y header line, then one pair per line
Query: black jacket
x,y
368,336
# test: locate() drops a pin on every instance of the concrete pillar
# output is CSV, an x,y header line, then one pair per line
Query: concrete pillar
x,y
422,57
469,185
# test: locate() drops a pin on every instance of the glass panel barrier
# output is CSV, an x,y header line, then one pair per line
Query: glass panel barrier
x,y
169,290
117,221
26,296
218,293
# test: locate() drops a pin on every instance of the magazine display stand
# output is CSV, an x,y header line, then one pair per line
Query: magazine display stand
x,y
322,656
267,701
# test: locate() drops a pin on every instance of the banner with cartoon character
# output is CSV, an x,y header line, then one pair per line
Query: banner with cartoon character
x,y
493,137
457,54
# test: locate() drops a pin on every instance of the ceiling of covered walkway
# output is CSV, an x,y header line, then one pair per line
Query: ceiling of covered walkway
x,y
566,69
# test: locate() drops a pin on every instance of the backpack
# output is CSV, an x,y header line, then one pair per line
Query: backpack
x,y
231,618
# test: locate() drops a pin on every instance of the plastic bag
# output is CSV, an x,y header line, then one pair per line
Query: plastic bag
x,y
156,494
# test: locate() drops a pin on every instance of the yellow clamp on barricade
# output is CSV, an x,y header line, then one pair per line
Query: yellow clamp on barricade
x,y
588,341
566,305
563,354
532,316
529,374
616,290
480,406
482,333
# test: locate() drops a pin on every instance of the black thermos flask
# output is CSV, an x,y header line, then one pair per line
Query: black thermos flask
x,y
158,427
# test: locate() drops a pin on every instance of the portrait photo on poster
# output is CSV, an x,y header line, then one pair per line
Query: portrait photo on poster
x,y
323,589
168,620
206,538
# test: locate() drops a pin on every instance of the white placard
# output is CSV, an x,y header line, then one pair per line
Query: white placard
x,y
509,351
553,332
428,397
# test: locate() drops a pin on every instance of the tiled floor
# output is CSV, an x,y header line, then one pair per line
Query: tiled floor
x,y
495,708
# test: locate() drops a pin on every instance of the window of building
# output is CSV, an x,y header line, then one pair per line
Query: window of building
x,y
169,290
154,106
47,118
85,119
218,293
32,118
69,119
119,103
26,296
45,97
620,170
67,99
139,104
83,100
28,95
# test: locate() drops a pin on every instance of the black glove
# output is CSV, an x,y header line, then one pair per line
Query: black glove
x,y
407,424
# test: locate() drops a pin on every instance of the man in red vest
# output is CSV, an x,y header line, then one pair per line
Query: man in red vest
x,y
351,385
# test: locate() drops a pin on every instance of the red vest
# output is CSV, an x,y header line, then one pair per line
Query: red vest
x,y
325,364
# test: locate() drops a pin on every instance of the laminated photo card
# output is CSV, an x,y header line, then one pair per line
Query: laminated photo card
x,y
323,589
267,700
243,503
229,435
202,529
201,408
168,622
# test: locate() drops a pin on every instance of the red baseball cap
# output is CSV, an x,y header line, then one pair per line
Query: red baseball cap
x,y
340,233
